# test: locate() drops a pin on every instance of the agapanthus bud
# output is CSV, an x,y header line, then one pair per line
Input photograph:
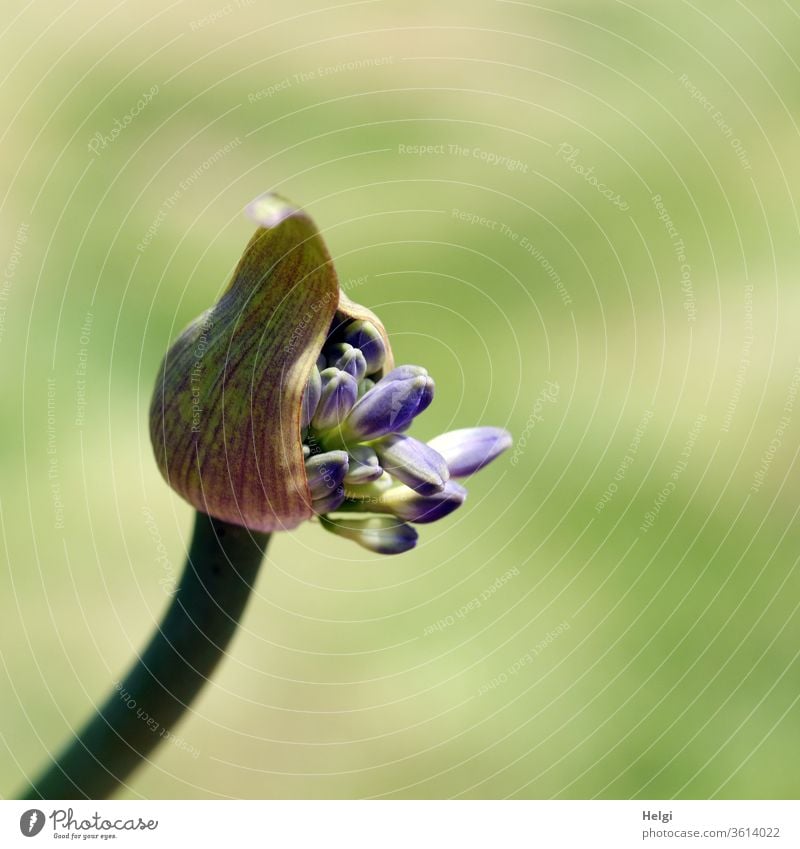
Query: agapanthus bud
x,y
389,406
339,393
311,398
326,472
412,506
471,448
364,466
412,462
365,336
347,358
227,412
381,534
329,503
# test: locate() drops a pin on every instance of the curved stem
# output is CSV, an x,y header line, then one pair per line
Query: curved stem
x,y
217,580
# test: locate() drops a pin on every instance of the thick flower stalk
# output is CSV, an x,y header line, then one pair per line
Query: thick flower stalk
x,y
282,403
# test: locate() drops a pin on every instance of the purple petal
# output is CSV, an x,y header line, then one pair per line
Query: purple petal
x,y
471,448
326,472
413,462
412,506
389,406
339,393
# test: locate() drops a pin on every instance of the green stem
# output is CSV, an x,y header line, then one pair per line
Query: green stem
x,y
202,618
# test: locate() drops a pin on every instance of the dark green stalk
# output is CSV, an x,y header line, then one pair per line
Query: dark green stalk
x,y
221,568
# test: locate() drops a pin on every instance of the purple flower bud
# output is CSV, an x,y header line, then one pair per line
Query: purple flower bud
x,y
328,503
471,448
311,397
381,534
389,406
339,393
404,372
364,466
326,472
347,358
411,506
413,462
365,337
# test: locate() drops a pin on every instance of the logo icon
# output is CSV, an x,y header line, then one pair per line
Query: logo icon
x,y
31,822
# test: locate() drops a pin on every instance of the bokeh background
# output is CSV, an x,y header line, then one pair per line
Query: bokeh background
x,y
598,249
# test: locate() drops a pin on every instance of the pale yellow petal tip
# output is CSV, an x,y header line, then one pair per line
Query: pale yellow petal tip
x,y
269,210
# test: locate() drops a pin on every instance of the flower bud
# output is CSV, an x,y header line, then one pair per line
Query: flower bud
x,y
347,358
381,534
411,506
471,448
412,462
364,466
311,398
389,406
365,336
326,472
339,393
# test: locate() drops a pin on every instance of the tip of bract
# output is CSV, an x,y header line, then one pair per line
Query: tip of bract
x,y
269,210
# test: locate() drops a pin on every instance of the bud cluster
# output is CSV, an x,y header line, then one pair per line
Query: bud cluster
x,y
358,457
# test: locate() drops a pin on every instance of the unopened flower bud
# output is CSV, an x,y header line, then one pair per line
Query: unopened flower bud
x,y
471,448
411,506
413,462
366,337
347,358
339,393
381,534
364,466
389,406
326,472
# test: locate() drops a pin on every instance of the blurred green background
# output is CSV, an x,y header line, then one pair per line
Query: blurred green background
x,y
599,252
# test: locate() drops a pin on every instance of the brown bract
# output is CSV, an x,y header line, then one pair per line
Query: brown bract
x,y
225,414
